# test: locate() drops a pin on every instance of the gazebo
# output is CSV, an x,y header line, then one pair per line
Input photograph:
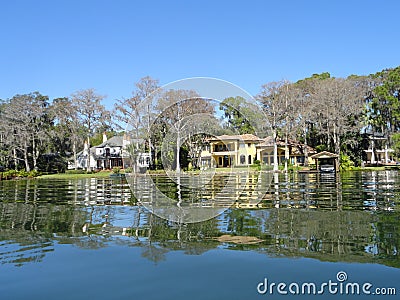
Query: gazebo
x,y
326,161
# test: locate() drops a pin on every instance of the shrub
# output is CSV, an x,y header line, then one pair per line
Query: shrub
x,y
22,173
345,162
80,171
10,174
128,170
34,173
116,170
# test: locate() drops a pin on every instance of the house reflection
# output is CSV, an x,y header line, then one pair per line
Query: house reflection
x,y
352,217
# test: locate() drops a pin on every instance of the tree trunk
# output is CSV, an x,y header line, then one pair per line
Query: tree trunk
x,y
15,159
150,153
336,140
27,168
148,134
88,161
286,152
34,153
305,147
74,152
275,151
178,148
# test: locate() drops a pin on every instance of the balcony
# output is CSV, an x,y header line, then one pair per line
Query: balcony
x,y
223,149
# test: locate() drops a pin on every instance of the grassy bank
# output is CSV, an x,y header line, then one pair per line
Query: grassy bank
x,y
105,174
101,174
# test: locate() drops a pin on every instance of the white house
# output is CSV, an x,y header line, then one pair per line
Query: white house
x,y
378,151
110,153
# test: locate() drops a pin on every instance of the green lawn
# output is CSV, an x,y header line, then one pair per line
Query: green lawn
x,y
105,174
101,174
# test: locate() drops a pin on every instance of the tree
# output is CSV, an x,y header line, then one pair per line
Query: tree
x,y
176,109
26,120
235,111
384,102
137,111
199,129
90,112
303,115
308,111
340,103
68,133
276,108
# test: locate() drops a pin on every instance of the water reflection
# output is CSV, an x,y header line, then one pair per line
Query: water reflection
x,y
354,218
195,198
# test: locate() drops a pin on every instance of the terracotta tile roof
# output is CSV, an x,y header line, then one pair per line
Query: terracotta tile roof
x,y
297,148
244,137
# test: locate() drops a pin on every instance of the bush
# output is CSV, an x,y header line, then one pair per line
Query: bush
x,y
22,173
80,171
34,173
10,174
345,162
128,170
116,170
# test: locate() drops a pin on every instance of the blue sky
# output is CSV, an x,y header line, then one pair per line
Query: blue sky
x,y
59,47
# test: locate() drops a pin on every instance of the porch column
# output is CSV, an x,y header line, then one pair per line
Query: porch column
x,y
372,152
386,154
237,162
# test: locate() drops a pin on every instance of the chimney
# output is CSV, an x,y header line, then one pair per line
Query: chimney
x,y
85,146
104,137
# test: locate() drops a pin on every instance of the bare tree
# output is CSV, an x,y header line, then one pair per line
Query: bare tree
x,y
340,102
90,112
69,127
199,129
274,102
304,112
137,113
177,108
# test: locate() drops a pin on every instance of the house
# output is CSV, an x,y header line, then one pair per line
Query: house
x,y
378,151
245,149
110,153
265,152
230,150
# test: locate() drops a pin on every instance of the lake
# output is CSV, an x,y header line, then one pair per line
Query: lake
x,y
312,235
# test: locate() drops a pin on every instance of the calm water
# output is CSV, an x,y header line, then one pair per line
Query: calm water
x,y
87,238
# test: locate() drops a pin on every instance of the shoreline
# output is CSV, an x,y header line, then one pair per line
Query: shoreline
x,y
106,174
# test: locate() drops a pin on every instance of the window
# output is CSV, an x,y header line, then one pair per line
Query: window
x,y
249,159
249,145
242,159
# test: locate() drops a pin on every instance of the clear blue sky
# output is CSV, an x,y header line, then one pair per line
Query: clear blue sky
x,y
59,47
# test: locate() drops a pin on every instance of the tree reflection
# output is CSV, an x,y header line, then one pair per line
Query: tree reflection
x,y
353,219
